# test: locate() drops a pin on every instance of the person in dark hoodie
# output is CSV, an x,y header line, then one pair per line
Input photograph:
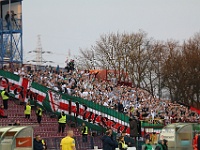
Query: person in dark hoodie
x,y
134,133
108,143
37,143
113,138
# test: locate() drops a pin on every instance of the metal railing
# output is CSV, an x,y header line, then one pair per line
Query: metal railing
x,y
14,24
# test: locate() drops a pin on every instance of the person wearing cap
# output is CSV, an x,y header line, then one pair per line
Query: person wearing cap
x,y
62,120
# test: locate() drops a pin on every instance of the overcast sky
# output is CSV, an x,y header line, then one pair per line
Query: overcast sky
x,y
74,24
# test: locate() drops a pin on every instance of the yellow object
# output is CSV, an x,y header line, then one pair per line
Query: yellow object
x,y
132,110
67,143
62,119
86,130
4,97
123,144
40,114
153,138
43,142
27,111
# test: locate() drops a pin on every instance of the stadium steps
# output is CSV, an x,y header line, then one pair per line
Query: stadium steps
x,y
48,128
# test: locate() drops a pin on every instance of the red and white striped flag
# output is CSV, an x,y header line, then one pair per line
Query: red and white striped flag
x,y
54,100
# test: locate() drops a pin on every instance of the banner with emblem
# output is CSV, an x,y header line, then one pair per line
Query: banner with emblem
x,y
78,109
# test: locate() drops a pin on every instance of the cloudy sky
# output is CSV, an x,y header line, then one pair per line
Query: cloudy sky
x,y
72,24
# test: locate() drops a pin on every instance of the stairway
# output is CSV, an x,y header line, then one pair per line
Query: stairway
x,y
48,128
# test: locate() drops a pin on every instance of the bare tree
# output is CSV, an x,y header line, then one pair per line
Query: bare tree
x,y
86,59
150,64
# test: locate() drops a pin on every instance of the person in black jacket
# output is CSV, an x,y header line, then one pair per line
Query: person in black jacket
x,y
108,143
37,143
128,140
7,18
133,129
120,107
113,138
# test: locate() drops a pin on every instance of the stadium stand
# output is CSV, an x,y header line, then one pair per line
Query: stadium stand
x,y
48,128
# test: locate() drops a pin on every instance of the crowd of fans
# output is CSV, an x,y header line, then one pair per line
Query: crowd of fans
x,y
130,100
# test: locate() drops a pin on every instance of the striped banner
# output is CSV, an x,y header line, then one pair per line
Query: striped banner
x,y
93,114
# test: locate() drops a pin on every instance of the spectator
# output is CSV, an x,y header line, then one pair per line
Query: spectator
x,y
129,141
7,18
122,144
120,107
17,123
133,127
165,144
108,143
195,141
2,115
136,101
147,145
159,146
112,136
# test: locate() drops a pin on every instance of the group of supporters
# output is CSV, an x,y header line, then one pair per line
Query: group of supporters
x,y
130,100
124,99
123,142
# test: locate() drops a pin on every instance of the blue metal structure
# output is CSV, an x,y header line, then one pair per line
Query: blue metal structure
x,y
11,46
